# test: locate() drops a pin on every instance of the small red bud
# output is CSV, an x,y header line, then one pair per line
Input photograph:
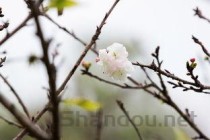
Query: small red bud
x,y
192,60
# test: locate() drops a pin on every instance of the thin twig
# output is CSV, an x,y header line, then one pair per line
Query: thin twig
x,y
35,119
121,106
27,123
133,80
9,35
188,120
71,33
169,75
10,122
186,88
65,29
149,78
199,13
51,71
126,86
201,45
16,95
170,102
88,47
60,89
159,63
165,96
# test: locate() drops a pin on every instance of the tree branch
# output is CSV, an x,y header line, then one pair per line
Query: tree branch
x,y
35,119
51,71
88,47
201,45
168,74
9,35
28,124
199,13
10,122
121,106
125,86
16,95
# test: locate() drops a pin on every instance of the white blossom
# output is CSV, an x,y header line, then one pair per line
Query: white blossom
x,y
115,62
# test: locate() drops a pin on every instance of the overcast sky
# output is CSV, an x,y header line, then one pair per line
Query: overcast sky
x,y
168,23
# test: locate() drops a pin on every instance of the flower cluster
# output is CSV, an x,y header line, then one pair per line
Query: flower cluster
x,y
115,62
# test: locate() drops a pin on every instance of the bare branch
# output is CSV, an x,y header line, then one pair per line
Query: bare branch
x,y
199,13
164,91
35,119
9,35
126,86
64,29
71,33
163,95
10,122
201,45
16,95
88,47
51,71
188,120
33,130
170,75
121,106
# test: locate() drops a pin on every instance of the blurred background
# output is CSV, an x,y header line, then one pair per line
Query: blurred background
x,y
141,25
